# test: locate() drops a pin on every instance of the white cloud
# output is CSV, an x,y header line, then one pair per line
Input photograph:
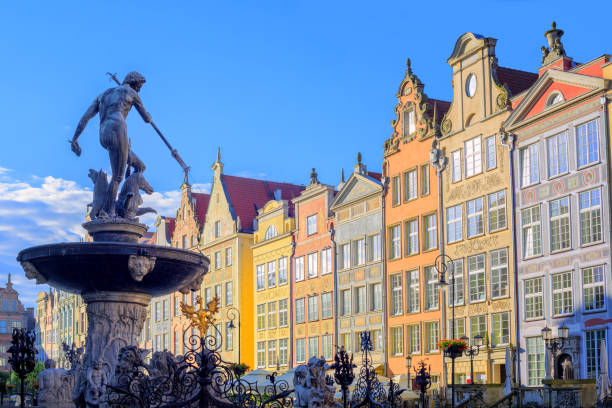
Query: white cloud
x,y
45,210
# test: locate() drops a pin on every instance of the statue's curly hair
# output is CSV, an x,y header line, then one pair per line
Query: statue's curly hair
x,y
134,78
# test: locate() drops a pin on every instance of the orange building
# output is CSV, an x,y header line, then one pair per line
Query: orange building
x,y
312,277
414,324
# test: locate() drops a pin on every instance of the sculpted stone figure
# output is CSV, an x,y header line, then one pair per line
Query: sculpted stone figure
x,y
140,266
163,364
310,385
113,106
302,393
54,386
129,200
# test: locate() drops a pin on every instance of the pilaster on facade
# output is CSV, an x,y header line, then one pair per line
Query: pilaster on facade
x,y
561,133
313,280
414,309
477,206
358,227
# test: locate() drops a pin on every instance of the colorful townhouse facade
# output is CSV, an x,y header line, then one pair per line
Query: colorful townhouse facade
x,y
477,208
313,295
273,245
12,315
359,278
415,323
560,132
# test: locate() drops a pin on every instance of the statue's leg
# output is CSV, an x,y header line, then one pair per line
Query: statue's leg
x,y
114,139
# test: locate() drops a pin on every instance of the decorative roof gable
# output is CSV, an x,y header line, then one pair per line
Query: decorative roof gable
x,y
357,187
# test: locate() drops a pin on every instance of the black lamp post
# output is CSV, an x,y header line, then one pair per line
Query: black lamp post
x,y
408,364
555,344
23,356
472,351
233,314
422,379
441,265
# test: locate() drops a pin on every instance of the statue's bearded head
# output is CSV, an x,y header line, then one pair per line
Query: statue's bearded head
x,y
135,80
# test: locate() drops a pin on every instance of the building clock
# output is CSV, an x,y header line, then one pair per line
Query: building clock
x,y
470,85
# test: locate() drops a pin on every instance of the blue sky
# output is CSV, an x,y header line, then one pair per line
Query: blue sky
x,y
280,86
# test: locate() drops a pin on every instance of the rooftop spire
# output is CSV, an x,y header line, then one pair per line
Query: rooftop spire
x,y
218,165
314,177
342,175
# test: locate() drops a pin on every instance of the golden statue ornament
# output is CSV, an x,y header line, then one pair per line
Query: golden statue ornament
x,y
202,317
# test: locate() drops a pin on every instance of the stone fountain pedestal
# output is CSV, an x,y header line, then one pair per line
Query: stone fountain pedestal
x,y
117,277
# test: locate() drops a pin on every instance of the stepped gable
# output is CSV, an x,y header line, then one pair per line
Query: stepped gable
x,y
516,80
247,195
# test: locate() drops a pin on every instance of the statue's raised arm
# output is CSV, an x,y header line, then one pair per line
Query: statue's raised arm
x,y
89,113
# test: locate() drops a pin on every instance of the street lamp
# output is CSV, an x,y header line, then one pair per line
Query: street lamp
x,y
442,266
422,380
472,351
555,344
408,363
233,314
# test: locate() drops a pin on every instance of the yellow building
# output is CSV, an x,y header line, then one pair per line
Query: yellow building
x,y
272,256
477,206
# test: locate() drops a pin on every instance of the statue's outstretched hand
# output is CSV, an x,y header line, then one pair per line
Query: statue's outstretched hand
x,y
74,145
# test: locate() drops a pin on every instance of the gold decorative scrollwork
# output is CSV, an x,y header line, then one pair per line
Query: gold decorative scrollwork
x,y
201,318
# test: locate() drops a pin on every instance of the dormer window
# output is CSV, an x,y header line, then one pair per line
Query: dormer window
x,y
554,98
271,232
408,122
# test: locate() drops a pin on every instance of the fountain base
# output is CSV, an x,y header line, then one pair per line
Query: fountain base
x,y
115,230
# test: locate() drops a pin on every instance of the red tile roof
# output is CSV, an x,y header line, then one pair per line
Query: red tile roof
x,y
441,106
374,175
201,205
517,81
170,224
247,195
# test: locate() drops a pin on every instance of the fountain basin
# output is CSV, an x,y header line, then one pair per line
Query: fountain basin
x,y
86,267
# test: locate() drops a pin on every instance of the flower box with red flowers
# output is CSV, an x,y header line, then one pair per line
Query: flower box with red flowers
x,y
453,348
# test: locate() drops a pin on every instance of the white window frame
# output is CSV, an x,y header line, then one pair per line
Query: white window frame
x,y
313,308
360,252
594,288
531,231
326,262
473,156
260,274
411,188
476,275
498,269
475,217
534,298
395,242
299,268
430,232
282,271
312,262
562,220
562,295
591,216
456,173
396,294
490,153
503,331
283,313
311,224
454,223
326,305
300,310
413,304
556,155
585,142
272,315
456,270
271,274
432,293
432,336
495,206
530,164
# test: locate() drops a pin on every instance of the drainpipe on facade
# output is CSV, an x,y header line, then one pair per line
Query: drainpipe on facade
x,y
383,249
508,141
292,305
332,235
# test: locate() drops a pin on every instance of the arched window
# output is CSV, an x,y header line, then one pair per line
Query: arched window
x,y
554,98
271,232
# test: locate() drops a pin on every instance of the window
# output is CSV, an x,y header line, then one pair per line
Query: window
x,y
177,306
587,144
408,122
374,246
312,265
345,253
217,229
345,341
535,361
456,268
217,260
229,337
432,331
395,190
299,310
562,293
454,224
491,154
532,231
410,185
430,234
228,294
459,329
272,357
497,211
218,292
313,308
184,242
207,295
327,347
271,232
414,296
326,305
283,352
283,313
376,296
261,316
326,263
590,216
395,242
360,299
261,276
414,336
473,157
530,165
456,166
559,224
534,299
432,297
177,343
478,326
360,251
300,350
157,312
282,271
501,328
271,274
476,274
313,347
556,151
425,179
346,302
593,351
228,256
475,224
499,273
299,269
311,224
271,315
593,290
396,294
261,354
397,334
412,236
166,309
